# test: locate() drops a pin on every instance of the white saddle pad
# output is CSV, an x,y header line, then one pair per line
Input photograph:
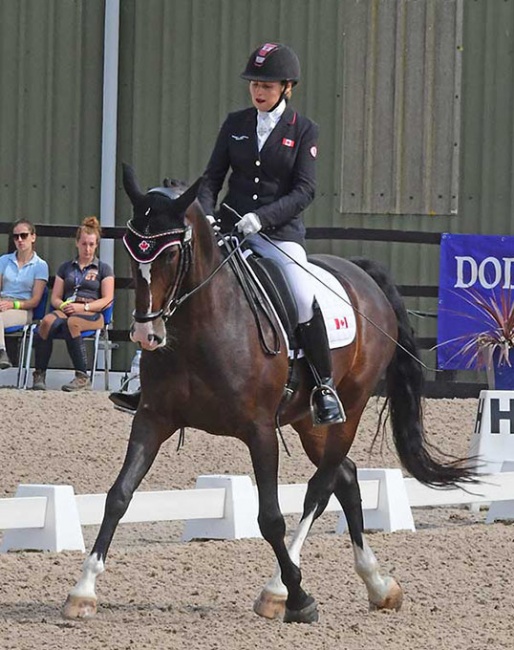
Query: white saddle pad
x,y
336,308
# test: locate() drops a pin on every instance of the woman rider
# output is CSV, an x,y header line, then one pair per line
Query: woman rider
x,y
271,151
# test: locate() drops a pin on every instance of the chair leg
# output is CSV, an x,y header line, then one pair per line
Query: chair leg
x,y
21,357
28,354
106,359
96,344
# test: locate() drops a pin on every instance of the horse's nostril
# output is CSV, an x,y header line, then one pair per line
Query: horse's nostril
x,y
153,338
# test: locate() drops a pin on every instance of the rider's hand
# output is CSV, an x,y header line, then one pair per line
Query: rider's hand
x,y
249,224
213,222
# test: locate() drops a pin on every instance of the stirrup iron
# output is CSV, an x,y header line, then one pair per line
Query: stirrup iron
x,y
325,388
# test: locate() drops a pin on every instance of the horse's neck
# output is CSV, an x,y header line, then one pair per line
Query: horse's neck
x,y
220,290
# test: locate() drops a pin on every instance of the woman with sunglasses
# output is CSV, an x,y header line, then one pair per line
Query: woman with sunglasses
x,y
23,277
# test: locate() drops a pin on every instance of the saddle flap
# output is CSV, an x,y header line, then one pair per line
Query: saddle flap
x,y
273,280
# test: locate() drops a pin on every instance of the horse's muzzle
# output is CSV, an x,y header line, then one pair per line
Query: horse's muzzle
x,y
146,336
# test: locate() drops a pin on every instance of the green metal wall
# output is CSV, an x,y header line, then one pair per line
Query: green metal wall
x,y
50,110
179,76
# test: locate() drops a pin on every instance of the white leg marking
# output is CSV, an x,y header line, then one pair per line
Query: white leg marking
x,y
275,585
91,569
367,568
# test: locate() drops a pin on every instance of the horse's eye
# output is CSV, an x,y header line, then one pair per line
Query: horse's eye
x,y
169,255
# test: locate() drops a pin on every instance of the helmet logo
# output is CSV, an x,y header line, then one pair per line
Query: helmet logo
x,y
265,50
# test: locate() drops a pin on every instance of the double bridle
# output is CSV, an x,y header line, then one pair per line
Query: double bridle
x,y
183,240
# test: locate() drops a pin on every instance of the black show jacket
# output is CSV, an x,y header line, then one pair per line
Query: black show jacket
x,y
276,183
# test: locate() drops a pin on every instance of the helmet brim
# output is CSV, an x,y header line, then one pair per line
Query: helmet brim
x,y
251,77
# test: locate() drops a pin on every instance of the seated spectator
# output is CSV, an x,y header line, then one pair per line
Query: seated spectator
x,y
23,277
83,288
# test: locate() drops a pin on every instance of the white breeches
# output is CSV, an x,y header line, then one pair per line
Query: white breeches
x,y
294,260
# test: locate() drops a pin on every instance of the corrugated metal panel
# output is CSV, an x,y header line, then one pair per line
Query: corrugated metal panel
x,y
50,117
184,78
50,111
487,164
400,109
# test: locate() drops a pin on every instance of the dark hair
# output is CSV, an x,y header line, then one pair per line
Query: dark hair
x,y
29,224
90,226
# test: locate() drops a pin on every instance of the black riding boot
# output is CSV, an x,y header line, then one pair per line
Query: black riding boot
x,y
326,407
126,401
77,352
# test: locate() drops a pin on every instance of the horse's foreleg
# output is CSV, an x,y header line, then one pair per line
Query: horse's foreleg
x,y
383,591
283,594
142,449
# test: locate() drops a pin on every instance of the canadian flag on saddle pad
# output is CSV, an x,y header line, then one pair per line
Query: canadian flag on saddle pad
x,y
336,308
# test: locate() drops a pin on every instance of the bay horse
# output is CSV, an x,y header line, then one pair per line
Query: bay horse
x,y
203,366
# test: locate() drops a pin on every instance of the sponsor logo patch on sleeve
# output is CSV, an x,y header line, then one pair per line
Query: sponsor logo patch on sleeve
x,y
314,151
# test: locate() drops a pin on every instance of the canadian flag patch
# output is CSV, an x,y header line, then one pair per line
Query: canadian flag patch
x,y
341,323
287,142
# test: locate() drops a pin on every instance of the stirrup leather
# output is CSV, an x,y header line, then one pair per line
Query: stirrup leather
x,y
326,390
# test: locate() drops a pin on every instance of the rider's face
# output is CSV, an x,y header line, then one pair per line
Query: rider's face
x,y
265,94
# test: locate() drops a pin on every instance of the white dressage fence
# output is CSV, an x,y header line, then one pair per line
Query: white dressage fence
x,y
50,517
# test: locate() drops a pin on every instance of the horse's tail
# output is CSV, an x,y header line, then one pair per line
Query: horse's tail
x,y
404,391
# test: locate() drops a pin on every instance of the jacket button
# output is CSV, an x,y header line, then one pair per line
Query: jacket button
x,y
256,179
258,163
255,197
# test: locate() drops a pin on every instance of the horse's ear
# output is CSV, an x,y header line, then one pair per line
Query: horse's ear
x,y
131,185
195,208
185,199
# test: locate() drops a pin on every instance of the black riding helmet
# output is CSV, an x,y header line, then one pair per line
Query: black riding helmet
x,y
272,62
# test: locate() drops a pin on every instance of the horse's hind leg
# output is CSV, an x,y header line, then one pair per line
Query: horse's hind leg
x,y
145,441
383,591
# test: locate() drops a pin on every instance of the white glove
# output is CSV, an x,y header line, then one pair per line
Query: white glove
x,y
249,224
213,222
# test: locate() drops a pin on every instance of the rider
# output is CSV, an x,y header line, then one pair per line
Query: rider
x,y
271,152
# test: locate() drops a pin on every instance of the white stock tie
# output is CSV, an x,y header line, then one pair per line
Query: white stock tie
x,y
264,128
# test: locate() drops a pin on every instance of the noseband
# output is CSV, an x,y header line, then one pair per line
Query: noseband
x,y
145,248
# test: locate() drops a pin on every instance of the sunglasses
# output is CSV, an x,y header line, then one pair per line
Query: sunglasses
x,y
20,235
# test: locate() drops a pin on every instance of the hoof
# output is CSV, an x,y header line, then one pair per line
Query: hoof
x,y
269,605
393,600
309,614
78,607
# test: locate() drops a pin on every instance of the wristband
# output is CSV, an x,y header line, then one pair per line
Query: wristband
x,y
16,304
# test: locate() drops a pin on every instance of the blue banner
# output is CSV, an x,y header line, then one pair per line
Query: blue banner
x,y
475,270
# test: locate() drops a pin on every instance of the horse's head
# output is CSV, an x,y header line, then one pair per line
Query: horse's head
x,y
158,239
